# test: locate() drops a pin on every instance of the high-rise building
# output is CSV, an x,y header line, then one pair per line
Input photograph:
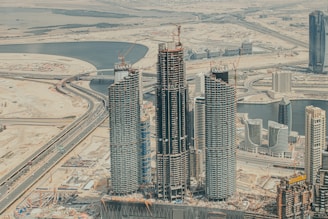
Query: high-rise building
x,y
318,37
315,132
253,135
278,139
285,113
220,132
145,151
281,81
199,84
172,158
199,127
124,123
321,189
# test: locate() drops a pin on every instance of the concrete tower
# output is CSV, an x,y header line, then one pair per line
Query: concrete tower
x,y
145,151
220,129
172,156
281,81
318,36
253,135
278,139
315,132
124,123
285,113
199,127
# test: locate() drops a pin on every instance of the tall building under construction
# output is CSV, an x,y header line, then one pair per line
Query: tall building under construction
x,y
294,198
220,129
315,132
172,158
318,37
124,123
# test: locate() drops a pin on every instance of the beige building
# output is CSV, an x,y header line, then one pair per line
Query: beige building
x,y
315,132
281,81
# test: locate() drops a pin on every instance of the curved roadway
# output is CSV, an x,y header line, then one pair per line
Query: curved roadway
x,y
56,148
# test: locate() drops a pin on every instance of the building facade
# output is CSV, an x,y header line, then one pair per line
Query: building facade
x,y
315,132
172,156
278,139
318,42
145,151
220,129
253,135
321,189
124,123
281,81
199,127
285,113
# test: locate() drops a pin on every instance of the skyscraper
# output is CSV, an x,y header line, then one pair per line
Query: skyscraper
x,y
124,123
145,151
172,156
278,139
281,81
199,127
315,132
220,129
285,113
253,135
318,36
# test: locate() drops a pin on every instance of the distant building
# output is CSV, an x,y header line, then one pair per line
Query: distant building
x,y
294,198
315,132
124,123
172,157
199,127
318,37
196,163
253,135
220,132
285,113
145,152
281,81
278,139
246,48
199,84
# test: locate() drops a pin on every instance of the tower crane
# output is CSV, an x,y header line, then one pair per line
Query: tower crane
x,y
122,57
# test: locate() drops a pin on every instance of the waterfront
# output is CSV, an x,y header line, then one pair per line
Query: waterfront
x,y
104,55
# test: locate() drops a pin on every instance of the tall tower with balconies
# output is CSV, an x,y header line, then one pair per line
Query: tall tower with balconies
x,y
220,129
172,158
315,140
124,123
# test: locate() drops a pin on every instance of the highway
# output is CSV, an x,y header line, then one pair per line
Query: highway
x,y
29,171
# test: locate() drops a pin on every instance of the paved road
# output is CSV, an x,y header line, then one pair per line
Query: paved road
x,y
56,148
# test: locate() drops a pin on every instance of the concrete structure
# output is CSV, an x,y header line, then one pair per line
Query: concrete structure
x,y
253,135
321,189
318,41
281,81
315,132
285,113
120,207
172,150
294,198
278,139
145,151
124,123
199,127
246,48
200,84
220,132
196,163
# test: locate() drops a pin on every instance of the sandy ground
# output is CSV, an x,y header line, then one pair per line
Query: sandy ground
x,y
28,99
